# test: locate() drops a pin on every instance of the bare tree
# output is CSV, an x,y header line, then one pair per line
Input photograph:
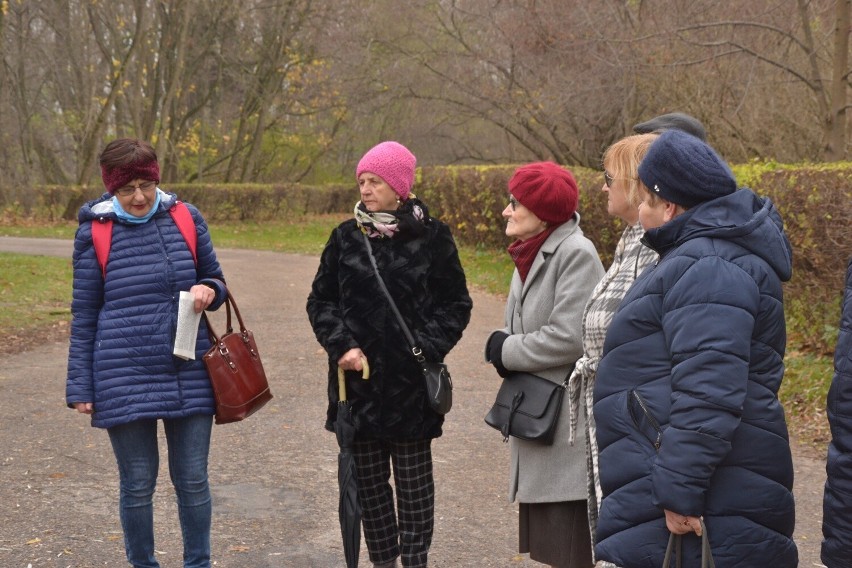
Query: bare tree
x,y
790,60
268,90
838,92
212,84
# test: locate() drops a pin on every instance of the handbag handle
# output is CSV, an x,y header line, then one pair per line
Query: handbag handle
x,y
675,548
229,302
418,353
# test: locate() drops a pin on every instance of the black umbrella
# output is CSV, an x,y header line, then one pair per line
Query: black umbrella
x,y
349,509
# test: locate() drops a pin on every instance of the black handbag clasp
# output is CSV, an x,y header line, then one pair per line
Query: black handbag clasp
x,y
506,430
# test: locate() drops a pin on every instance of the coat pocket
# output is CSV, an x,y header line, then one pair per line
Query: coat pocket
x,y
643,420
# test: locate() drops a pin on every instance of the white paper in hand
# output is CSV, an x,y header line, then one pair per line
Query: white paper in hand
x,y
187,327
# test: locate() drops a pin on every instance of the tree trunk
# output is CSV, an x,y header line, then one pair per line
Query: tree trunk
x,y
836,123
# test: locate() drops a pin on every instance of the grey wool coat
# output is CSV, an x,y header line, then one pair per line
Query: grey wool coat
x,y
544,322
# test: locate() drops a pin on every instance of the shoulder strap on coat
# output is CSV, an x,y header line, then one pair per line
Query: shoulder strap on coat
x,y
186,225
102,234
102,240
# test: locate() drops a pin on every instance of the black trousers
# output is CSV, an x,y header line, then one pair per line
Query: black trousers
x,y
406,531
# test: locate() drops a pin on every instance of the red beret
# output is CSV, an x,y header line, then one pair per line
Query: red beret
x,y
546,189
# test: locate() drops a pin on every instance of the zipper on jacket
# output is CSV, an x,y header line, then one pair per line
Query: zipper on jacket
x,y
633,395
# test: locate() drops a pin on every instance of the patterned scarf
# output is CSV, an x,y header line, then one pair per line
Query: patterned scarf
x,y
409,221
524,252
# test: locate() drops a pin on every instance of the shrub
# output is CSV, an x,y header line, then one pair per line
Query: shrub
x,y
813,199
815,202
471,200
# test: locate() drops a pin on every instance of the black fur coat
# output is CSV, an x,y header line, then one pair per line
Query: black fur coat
x,y
347,309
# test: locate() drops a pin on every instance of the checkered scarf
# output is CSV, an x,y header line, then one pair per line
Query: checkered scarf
x,y
631,258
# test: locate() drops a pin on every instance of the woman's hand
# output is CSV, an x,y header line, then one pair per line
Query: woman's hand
x,y
84,407
682,524
203,295
352,360
494,351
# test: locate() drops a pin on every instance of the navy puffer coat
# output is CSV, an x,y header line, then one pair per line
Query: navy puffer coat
x,y
688,417
347,309
837,504
123,328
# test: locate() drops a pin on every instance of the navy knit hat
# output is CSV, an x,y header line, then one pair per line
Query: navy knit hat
x,y
684,170
672,121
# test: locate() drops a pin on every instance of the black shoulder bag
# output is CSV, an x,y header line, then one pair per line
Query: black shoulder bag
x,y
439,385
527,407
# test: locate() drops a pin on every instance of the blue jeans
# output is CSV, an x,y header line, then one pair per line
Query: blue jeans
x,y
135,448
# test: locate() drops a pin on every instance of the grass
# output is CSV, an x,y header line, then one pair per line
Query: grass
x,y
803,392
306,235
486,269
36,291
53,231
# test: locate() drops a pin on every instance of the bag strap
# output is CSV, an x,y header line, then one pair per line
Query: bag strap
x,y
102,234
102,241
186,225
706,553
674,549
229,303
418,353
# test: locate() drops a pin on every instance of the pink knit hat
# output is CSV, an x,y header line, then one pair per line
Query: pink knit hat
x,y
392,162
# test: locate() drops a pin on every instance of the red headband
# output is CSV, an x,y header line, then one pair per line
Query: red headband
x,y
121,175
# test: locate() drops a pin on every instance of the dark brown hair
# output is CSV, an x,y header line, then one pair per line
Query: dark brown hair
x,y
126,151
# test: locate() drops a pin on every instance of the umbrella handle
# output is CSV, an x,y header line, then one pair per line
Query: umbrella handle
x,y
341,380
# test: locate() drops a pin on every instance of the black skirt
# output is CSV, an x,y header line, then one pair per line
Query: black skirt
x,y
556,533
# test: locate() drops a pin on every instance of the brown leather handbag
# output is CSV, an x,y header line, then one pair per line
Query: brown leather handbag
x,y
236,372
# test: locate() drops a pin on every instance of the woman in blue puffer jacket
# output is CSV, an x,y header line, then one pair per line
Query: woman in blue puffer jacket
x,y
689,424
837,502
121,369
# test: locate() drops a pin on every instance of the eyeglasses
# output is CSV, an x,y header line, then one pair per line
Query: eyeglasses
x,y
129,190
608,179
513,202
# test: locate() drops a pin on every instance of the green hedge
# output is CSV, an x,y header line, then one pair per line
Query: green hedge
x,y
815,202
472,199
223,202
813,199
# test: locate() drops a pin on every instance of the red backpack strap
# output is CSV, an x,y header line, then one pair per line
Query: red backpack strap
x,y
102,241
186,225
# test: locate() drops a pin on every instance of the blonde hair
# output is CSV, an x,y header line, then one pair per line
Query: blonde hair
x,y
621,161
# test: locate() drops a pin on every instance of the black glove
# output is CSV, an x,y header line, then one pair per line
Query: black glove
x,y
494,351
